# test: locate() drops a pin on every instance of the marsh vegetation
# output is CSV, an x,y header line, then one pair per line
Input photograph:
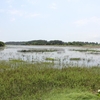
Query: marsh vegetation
x,y
39,50
85,50
48,75
61,54
25,81
75,59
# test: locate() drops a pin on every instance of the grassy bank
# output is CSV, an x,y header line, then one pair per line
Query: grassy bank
x,y
40,81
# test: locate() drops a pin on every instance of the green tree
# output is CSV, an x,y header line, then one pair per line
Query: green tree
x,y
2,44
37,42
56,42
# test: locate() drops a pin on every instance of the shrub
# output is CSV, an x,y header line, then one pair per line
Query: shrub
x,y
2,44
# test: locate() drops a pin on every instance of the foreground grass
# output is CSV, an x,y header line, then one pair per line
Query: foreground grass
x,y
71,95
40,81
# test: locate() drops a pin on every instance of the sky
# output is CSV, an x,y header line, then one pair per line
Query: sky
x,y
66,20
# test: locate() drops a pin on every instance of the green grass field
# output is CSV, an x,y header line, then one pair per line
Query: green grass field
x,y
40,81
72,95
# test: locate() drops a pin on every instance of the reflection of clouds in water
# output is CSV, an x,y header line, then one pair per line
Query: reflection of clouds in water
x,y
62,55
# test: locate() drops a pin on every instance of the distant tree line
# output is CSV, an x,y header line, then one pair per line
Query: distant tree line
x,y
78,43
52,42
44,42
15,43
2,44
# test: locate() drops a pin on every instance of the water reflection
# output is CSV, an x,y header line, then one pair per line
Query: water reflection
x,y
61,57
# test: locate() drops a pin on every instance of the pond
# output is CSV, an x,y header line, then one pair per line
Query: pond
x,y
60,55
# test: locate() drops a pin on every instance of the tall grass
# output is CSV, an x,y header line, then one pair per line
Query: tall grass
x,y
25,81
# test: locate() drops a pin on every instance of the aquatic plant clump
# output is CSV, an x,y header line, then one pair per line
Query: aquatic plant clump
x,y
75,59
50,59
85,50
39,50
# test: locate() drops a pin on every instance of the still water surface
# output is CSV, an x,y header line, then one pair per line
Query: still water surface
x,y
63,55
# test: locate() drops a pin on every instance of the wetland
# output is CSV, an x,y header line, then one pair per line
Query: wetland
x,y
60,55
49,73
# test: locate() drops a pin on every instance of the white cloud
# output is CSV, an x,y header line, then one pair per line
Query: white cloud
x,y
21,13
95,19
10,6
31,15
87,21
9,1
2,10
81,22
23,5
31,1
68,0
16,12
94,37
1,30
72,0
13,19
53,6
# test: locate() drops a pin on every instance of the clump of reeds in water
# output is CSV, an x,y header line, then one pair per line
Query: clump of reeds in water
x,y
39,50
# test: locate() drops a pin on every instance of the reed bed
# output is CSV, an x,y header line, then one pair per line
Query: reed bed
x,y
85,50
